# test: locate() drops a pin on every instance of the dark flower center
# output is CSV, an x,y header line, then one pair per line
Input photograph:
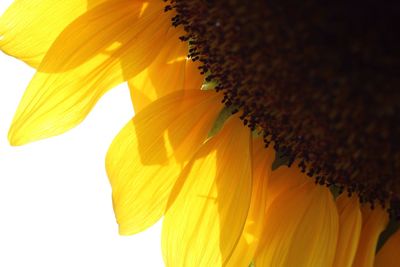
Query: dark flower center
x,y
319,79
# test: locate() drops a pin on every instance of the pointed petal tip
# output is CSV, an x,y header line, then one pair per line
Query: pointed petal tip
x,y
23,132
132,227
14,139
125,230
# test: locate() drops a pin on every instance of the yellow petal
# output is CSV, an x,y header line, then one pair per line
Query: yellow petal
x,y
28,28
349,230
250,238
141,163
205,221
142,91
389,254
301,228
107,45
373,223
284,179
170,71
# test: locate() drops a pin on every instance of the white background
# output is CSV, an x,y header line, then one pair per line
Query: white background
x,y
55,199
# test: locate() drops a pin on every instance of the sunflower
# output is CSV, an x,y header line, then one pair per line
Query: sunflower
x,y
232,180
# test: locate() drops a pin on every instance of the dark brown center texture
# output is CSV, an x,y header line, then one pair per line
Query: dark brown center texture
x,y
318,78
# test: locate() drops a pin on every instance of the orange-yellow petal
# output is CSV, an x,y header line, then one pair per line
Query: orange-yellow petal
x,y
142,164
208,213
105,46
349,230
373,223
284,179
28,28
248,243
301,228
389,254
170,71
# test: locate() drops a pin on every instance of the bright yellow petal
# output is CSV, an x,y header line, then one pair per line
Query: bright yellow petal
x,y
170,71
107,45
301,228
349,230
373,223
389,254
141,163
142,91
250,238
205,221
28,28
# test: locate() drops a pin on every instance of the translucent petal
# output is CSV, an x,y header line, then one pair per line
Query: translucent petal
x,y
107,45
349,230
209,209
141,163
301,228
28,28
170,71
389,254
248,243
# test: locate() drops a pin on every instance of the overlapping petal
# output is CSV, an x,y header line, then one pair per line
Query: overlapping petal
x,y
170,71
349,230
301,228
373,223
251,236
283,179
105,46
28,28
209,209
142,163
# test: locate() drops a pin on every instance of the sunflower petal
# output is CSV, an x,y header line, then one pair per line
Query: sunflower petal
x,y
388,255
374,222
284,179
93,54
301,228
28,28
250,238
141,163
170,71
206,218
349,230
